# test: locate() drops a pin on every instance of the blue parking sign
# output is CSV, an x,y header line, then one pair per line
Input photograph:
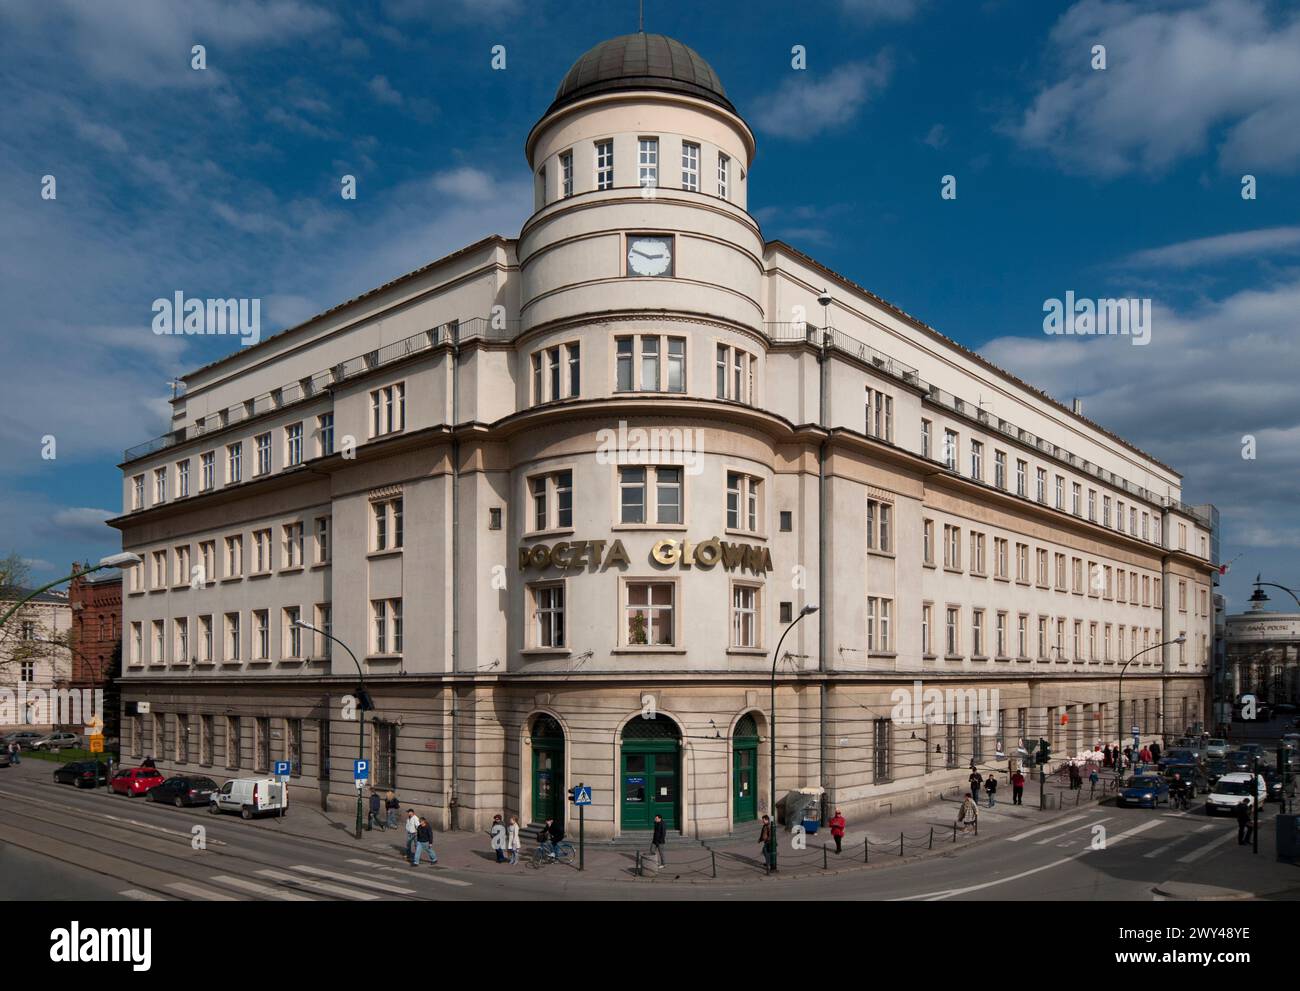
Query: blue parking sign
x,y
360,770
282,769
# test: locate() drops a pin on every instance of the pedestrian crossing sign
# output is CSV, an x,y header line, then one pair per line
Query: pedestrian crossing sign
x,y
582,795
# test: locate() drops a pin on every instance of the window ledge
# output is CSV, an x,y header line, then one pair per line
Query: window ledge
x,y
979,657
321,564
383,657
748,534
155,591
928,564
546,652
644,649
555,532
979,574
882,653
929,657
1002,657
232,578
747,651
1000,578
292,569
260,574
875,553
954,657
388,552
649,526
232,664
952,571
138,591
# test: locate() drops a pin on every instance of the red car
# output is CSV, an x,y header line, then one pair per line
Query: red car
x,y
135,781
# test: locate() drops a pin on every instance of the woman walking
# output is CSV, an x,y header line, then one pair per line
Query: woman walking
x,y
512,840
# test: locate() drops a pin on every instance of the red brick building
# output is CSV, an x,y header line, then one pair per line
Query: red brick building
x,y
96,636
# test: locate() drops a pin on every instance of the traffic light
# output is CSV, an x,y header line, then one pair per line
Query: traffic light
x,y
1044,751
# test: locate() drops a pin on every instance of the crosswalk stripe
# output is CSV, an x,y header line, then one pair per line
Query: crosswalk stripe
x,y
261,889
203,894
1042,829
1169,846
329,889
1076,829
1200,852
368,863
364,882
431,877
141,896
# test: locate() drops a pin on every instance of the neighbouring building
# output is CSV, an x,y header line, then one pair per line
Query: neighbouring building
x,y
1263,653
34,659
562,493
95,639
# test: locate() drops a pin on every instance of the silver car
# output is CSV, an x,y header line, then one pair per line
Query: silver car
x,y
1216,747
57,741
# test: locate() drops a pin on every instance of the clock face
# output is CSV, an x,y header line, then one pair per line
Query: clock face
x,y
649,255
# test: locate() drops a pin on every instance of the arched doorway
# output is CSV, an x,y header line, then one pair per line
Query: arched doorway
x,y
651,773
744,769
547,740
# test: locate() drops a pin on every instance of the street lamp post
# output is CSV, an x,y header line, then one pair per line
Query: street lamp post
x,y
1119,714
771,799
1261,597
363,703
112,561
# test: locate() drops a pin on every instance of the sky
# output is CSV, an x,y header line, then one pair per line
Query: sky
x,y
1122,181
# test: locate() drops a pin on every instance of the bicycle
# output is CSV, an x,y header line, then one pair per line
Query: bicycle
x,y
558,853
1179,800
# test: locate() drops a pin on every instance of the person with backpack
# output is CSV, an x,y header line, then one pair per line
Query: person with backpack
x,y
837,825
991,787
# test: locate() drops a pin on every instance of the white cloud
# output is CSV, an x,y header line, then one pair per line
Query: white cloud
x,y
466,183
1176,75
808,103
84,522
936,137
382,90
1221,247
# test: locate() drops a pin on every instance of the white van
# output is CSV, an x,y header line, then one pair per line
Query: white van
x,y
1232,789
250,797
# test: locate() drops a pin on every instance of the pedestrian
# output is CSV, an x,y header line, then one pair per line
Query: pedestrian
x,y
1106,759
1245,828
1155,753
657,840
423,842
148,762
765,843
498,834
1017,787
512,840
837,825
391,806
15,753
991,786
975,781
1146,755
373,819
412,826
968,814
1128,755
1092,782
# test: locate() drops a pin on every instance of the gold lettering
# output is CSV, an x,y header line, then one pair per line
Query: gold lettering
x,y
523,558
560,554
540,556
732,555
665,552
707,553
617,554
597,551
579,559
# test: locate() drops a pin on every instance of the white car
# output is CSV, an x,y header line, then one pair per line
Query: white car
x,y
1216,748
1232,789
250,797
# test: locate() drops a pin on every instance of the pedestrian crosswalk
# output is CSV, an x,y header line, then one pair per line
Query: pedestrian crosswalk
x,y
1186,846
299,883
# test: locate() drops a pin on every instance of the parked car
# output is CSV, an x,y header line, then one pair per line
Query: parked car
x,y
24,739
1178,755
1216,747
250,797
1144,789
5,760
1239,760
57,741
1231,789
184,789
1193,774
1217,767
134,781
1249,748
82,773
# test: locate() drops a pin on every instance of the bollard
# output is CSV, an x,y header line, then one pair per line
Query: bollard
x,y
824,864
931,837
714,858
900,844
954,832
640,871
866,851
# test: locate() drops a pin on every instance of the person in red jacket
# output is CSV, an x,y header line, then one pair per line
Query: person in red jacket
x,y
1017,788
837,825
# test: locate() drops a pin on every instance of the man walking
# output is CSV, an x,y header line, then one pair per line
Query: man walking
x,y
837,825
1017,788
991,786
975,781
657,840
765,842
373,819
1245,829
412,827
423,842
391,807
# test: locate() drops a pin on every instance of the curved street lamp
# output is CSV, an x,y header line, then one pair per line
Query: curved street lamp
x,y
1260,596
112,561
771,798
363,702
1119,721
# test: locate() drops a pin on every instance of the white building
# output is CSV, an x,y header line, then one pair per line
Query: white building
x,y
34,659
445,473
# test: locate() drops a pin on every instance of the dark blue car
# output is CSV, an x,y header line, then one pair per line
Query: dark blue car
x,y
1143,790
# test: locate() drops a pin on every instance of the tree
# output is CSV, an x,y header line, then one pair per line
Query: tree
x,y
26,636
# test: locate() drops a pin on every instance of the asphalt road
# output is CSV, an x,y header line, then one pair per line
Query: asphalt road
x,y
58,842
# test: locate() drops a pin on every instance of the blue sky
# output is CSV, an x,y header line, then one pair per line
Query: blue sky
x,y
224,182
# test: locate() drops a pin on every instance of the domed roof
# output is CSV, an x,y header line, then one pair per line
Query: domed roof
x,y
641,61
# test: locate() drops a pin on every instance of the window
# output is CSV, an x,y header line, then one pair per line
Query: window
x,y
1106,643
744,616
207,470
878,617
1078,640
649,363
977,554
293,444
137,643
977,633
1076,498
182,575
676,364
927,541
575,369
649,614
1133,520
1000,562
1000,469
137,492
557,373
159,569
1000,635
205,639
668,495
552,497
724,174
977,460
925,438
952,547
690,166
623,378
633,506
232,637
880,415
1119,585
324,646
566,174
208,560
926,614
950,449
323,527
159,485
291,548
1042,568
647,163
881,758
650,348
1182,596
261,635
232,743
786,521
1022,563
742,502
234,556
879,525
554,372
182,479
1042,636
951,620
1022,636
182,752
548,612
159,643
1105,510
263,442
261,743
387,625
261,551
1092,505
388,409
1060,572
181,641
1092,641
1076,565
386,529
234,463
325,433
291,636
604,164
1040,481
735,370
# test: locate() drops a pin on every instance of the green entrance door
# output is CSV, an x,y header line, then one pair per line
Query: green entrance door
x,y
744,770
548,770
650,773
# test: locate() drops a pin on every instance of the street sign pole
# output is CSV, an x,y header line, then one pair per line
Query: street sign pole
x,y
580,795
